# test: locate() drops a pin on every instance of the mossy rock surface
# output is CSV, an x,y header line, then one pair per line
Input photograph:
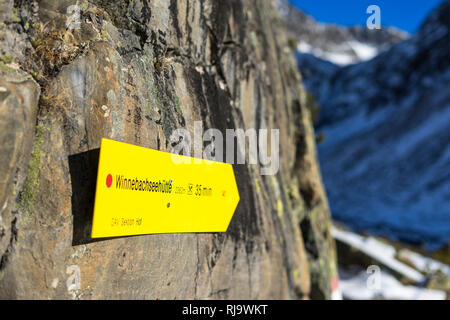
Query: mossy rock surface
x,y
136,71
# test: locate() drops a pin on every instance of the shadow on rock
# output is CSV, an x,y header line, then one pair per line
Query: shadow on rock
x,y
83,173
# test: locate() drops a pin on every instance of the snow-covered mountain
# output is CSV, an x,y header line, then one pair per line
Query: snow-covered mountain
x,y
386,155
337,44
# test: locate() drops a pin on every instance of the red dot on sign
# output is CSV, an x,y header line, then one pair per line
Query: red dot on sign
x,y
335,283
109,180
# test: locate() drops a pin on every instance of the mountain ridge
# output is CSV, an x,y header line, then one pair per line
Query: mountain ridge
x,y
339,44
386,155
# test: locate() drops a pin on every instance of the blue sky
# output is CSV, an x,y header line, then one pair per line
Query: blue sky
x,y
403,14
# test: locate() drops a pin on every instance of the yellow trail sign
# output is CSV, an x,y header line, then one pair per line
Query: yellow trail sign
x,y
144,191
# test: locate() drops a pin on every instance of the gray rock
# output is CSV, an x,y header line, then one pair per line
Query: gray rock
x,y
19,96
156,67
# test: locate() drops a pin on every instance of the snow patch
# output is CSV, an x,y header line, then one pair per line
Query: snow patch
x,y
355,288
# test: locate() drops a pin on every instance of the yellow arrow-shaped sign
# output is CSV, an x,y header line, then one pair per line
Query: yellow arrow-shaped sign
x,y
144,191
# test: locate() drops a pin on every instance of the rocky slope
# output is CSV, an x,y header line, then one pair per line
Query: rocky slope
x,y
337,44
386,155
134,72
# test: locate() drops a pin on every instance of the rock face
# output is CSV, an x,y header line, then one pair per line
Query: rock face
x,y
134,71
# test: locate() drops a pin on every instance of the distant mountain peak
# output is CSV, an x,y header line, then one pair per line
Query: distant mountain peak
x,y
337,44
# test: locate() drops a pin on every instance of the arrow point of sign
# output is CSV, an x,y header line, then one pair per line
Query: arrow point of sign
x,y
233,194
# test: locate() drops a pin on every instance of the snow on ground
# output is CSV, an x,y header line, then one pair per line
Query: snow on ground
x,y
378,283
338,58
379,251
361,287
363,51
350,52
424,264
